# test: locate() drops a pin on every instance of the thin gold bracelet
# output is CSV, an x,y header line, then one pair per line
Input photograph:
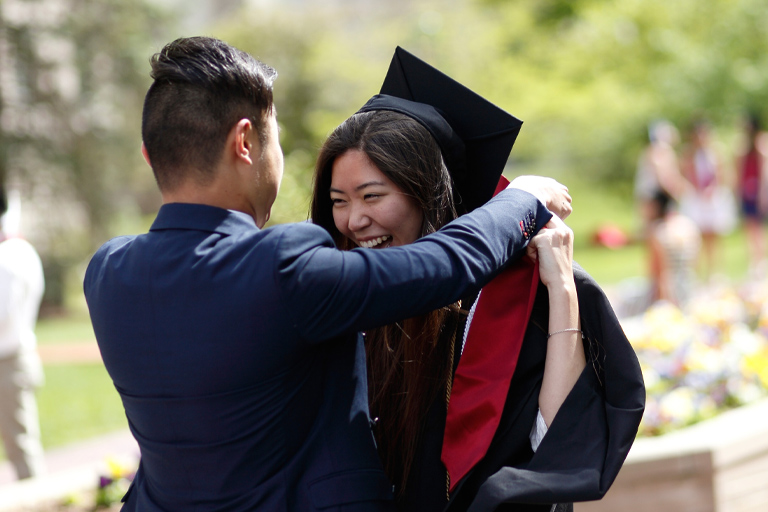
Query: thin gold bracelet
x,y
564,330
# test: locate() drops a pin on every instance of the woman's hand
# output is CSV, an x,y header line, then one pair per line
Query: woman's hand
x,y
553,248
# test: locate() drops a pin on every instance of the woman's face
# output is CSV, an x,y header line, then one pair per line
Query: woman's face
x,y
368,208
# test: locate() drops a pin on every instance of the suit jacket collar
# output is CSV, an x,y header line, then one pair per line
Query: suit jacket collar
x,y
202,217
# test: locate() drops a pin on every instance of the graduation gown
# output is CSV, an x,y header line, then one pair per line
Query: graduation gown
x,y
585,445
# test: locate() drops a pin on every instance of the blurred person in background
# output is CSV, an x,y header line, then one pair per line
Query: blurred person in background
x,y
753,190
21,371
658,170
708,201
674,242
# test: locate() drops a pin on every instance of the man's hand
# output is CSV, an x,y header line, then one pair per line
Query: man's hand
x,y
552,194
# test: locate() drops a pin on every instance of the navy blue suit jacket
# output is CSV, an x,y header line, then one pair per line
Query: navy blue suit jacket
x,y
235,351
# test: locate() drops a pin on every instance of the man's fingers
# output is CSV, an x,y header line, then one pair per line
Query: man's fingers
x,y
552,194
561,205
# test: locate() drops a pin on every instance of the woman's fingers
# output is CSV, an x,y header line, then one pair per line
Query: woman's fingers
x,y
553,248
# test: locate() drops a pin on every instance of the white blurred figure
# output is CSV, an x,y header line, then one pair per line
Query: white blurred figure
x,y
708,202
21,371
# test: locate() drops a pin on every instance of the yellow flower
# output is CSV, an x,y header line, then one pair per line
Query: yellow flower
x,y
663,327
120,467
756,364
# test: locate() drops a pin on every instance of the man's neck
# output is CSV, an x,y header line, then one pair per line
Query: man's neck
x,y
200,196
219,195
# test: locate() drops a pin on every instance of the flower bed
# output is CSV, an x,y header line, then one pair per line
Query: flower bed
x,y
703,441
701,362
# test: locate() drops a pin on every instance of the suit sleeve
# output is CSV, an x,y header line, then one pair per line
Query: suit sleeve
x,y
330,292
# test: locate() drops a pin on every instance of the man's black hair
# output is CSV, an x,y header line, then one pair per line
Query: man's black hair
x,y
202,88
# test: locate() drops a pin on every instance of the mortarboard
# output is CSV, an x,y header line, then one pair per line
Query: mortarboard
x,y
475,135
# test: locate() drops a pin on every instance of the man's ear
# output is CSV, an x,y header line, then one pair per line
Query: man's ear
x,y
145,154
245,149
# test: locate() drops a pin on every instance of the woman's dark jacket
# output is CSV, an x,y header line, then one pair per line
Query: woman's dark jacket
x,y
586,444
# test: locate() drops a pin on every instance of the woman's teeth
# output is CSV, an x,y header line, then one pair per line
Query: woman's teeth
x,y
376,241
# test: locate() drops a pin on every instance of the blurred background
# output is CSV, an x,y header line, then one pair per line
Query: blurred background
x,y
589,78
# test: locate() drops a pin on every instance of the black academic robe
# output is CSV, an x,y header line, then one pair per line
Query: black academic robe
x,y
587,441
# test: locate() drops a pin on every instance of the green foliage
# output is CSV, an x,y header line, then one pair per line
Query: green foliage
x,y
74,80
586,76
597,72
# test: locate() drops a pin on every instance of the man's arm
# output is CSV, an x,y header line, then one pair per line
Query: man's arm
x,y
331,292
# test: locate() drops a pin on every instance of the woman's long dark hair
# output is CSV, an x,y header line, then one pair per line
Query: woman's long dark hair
x,y
407,367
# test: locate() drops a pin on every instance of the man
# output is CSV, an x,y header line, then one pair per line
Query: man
x,y
21,372
233,347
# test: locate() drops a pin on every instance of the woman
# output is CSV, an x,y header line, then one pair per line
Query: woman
x,y
381,180
403,195
708,202
753,189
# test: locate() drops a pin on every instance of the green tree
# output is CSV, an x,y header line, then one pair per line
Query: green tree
x,y
597,72
73,77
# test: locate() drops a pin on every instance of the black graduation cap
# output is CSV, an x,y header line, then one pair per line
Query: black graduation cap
x,y
475,135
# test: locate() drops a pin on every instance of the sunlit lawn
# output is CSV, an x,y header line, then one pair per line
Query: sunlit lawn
x,y
79,401
610,266
74,327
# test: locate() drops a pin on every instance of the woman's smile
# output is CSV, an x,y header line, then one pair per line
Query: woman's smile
x,y
375,242
368,208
